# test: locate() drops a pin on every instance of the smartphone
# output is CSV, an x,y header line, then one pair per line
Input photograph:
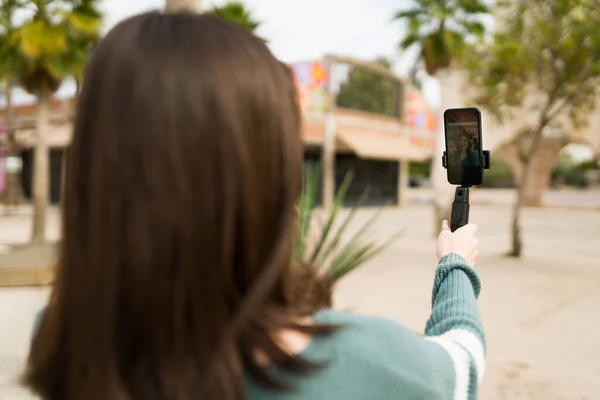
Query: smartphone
x,y
462,129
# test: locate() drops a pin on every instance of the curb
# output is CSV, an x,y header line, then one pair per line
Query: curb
x,y
26,276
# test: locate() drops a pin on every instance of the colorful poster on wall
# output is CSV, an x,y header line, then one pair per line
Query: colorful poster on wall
x,y
421,118
311,82
319,74
419,114
302,73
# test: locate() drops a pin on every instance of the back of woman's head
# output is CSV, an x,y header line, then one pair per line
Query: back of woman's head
x,y
182,176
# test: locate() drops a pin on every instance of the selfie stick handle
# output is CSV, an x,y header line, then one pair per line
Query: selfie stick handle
x,y
460,208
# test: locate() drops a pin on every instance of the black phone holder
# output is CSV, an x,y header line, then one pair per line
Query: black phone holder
x,y
460,205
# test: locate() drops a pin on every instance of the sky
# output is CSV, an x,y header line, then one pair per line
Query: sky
x,y
304,30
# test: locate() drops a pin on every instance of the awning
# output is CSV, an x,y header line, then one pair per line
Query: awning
x,y
380,146
59,136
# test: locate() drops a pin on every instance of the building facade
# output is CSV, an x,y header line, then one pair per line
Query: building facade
x,y
377,123
61,115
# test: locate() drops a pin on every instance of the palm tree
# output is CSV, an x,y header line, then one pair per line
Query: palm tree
x,y
9,63
48,47
181,5
232,11
235,11
442,30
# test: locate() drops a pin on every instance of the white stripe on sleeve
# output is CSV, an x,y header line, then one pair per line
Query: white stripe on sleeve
x,y
462,363
470,342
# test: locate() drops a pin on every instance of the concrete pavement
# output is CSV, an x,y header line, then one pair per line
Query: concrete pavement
x,y
564,198
539,312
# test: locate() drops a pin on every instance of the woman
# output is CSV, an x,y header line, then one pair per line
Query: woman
x,y
178,225
464,155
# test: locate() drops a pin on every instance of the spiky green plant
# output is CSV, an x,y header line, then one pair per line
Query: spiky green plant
x,y
332,253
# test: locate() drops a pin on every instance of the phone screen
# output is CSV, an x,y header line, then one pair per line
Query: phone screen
x,y
463,146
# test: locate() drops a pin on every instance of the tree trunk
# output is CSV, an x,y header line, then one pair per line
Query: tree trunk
x,y
328,162
183,5
328,150
540,171
509,153
526,174
41,173
542,162
12,195
517,240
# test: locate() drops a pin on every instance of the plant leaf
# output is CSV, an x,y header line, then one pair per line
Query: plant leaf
x,y
347,260
337,205
305,210
342,229
349,257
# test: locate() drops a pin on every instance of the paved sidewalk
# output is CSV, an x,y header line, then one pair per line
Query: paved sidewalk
x,y
14,229
21,264
538,312
564,198
28,256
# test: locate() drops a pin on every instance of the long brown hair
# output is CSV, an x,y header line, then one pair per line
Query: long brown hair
x,y
178,219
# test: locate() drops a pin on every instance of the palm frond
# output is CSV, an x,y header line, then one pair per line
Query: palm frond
x,y
473,7
414,26
49,46
437,50
409,41
473,28
409,14
236,12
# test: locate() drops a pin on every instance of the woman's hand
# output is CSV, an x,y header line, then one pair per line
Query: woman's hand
x,y
462,242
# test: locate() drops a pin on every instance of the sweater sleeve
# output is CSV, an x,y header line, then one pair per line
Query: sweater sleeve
x,y
37,322
455,323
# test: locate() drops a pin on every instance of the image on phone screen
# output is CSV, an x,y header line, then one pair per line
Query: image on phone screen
x,y
463,146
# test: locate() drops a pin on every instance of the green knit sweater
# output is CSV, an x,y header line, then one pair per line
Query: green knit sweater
x,y
376,359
